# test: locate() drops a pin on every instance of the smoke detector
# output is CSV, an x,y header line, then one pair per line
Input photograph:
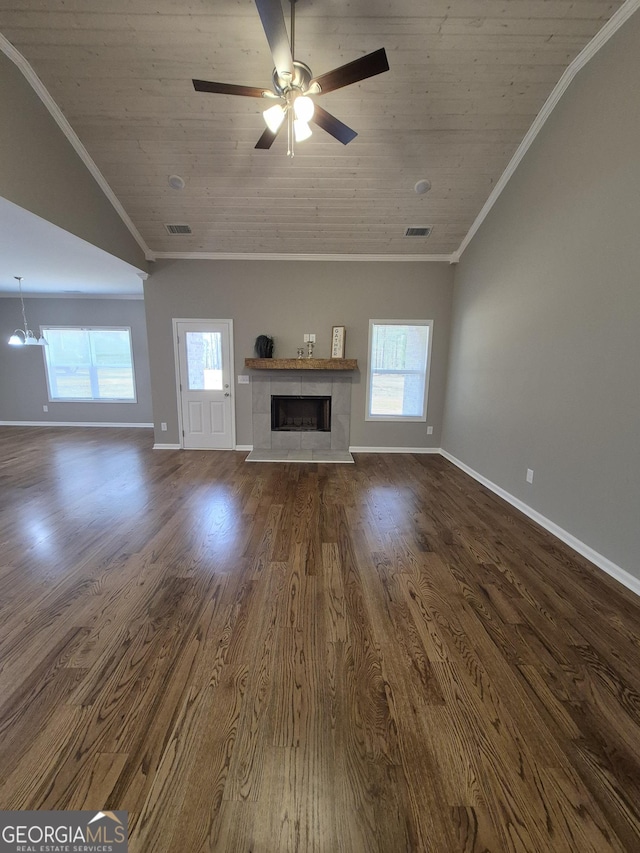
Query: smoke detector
x,y
422,186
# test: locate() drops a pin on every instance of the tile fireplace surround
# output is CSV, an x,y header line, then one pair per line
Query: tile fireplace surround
x,y
301,446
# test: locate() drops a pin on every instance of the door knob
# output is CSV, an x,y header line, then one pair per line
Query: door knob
x,y
227,394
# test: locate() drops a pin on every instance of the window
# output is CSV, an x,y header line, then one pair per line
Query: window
x,y
398,375
89,364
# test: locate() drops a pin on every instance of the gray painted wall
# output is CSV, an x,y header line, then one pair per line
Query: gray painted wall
x,y
23,383
285,299
41,172
545,347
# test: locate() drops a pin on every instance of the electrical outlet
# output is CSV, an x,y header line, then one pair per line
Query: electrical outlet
x,y
163,427
243,379
45,408
529,475
429,430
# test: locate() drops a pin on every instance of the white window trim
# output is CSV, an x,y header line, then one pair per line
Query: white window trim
x,y
399,418
118,400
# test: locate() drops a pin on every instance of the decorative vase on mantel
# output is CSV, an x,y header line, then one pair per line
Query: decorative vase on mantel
x,y
264,346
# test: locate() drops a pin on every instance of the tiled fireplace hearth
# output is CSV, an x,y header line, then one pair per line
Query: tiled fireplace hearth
x,y
304,442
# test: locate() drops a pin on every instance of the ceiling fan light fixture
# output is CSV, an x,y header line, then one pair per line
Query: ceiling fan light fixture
x,y
304,108
301,130
274,117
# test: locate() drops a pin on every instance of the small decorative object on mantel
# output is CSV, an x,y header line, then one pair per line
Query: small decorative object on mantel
x,y
264,346
309,349
337,342
300,352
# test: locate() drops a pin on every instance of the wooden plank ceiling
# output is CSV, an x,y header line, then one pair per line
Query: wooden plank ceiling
x,y
467,79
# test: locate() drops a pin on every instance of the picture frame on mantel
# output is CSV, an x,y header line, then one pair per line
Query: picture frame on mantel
x,y
337,341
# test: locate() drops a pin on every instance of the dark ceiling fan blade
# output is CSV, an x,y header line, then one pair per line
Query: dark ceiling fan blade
x,y
333,125
228,89
268,138
274,27
367,66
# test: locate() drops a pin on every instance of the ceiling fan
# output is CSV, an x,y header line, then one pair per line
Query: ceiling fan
x,y
293,83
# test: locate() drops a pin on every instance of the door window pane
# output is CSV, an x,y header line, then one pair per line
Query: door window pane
x,y
204,361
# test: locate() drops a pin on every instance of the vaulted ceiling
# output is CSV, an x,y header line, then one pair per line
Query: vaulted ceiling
x,y
467,79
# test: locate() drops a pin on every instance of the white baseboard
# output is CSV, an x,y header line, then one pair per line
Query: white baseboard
x,y
394,450
621,575
241,447
73,424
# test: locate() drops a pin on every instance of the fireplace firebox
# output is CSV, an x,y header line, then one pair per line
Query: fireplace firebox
x,y
300,414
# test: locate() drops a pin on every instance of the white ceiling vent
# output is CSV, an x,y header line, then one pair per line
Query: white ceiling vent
x,y
418,231
179,228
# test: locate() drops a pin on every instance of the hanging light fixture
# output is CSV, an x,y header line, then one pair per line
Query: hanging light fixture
x,y
25,337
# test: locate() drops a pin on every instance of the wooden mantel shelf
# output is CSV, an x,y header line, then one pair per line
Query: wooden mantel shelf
x,y
301,363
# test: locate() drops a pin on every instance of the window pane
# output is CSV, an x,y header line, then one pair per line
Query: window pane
x,y
397,394
89,364
68,348
387,394
70,382
111,347
204,360
115,383
400,347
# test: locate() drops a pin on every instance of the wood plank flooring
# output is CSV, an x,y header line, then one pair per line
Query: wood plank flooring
x,y
371,658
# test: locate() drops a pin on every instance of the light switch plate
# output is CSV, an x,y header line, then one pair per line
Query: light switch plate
x,y
243,379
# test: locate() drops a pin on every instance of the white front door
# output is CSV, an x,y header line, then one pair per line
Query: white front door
x,y
205,377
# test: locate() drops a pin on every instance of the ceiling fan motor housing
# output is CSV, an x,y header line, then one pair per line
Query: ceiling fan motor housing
x,y
300,80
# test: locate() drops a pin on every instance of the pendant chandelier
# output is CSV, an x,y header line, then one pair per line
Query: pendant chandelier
x,y
25,337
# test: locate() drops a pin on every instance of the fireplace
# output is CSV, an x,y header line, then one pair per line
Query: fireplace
x,y
297,385
299,413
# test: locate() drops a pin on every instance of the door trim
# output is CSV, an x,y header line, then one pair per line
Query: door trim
x,y
176,363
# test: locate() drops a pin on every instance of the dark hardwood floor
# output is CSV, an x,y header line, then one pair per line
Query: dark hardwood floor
x,y
367,658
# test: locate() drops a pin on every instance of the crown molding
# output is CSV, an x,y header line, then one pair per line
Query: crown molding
x,y
586,54
79,295
282,256
41,91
